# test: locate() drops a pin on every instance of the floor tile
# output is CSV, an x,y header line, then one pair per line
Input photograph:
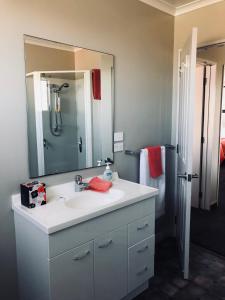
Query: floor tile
x,y
207,275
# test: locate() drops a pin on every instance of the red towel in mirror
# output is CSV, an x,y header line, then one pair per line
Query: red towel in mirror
x,y
154,161
99,184
96,84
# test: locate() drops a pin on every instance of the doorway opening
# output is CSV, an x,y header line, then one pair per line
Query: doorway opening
x,y
208,191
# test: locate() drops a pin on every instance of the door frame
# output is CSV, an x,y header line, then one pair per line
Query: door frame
x,y
207,131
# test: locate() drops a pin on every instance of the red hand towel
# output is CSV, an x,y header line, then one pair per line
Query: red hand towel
x,y
96,84
99,184
154,161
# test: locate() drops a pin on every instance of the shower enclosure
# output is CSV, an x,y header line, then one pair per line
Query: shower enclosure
x,y
60,121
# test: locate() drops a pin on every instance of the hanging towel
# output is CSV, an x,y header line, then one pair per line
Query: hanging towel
x,y
154,161
96,84
99,185
159,182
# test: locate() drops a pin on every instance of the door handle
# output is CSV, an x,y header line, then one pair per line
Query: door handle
x,y
182,176
45,143
105,245
80,144
142,249
79,257
145,269
142,227
188,177
194,175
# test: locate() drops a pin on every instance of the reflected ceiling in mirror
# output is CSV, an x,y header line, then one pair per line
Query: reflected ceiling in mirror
x,y
69,106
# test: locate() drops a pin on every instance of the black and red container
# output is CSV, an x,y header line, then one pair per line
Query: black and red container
x,y
33,194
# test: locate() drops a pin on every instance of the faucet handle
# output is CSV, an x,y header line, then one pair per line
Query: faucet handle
x,y
78,179
109,160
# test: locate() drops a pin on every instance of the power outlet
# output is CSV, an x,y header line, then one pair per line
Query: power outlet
x,y
118,136
118,147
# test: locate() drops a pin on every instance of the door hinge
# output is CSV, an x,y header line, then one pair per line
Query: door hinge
x,y
177,148
180,71
202,140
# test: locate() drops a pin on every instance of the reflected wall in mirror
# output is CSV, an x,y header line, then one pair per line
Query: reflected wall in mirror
x,y
69,107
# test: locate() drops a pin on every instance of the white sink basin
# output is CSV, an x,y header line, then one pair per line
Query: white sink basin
x,y
90,199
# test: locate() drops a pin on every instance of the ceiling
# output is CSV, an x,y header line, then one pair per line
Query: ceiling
x,y
179,7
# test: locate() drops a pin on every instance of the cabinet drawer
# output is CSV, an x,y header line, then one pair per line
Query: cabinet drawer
x,y
141,229
140,263
71,274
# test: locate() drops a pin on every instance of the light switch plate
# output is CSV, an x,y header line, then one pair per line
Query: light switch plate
x,y
118,136
118,147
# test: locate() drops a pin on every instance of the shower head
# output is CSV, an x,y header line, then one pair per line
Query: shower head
x,y
64,85
55,88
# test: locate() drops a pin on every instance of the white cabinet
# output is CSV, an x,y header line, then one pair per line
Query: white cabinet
x,y
71,273
110,257
140,263
110,265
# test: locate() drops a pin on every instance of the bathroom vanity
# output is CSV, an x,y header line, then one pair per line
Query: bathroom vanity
x,y
86,245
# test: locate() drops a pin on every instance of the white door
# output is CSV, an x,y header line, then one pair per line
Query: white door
x,y
185,127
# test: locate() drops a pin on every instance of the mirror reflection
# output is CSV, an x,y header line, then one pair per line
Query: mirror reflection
x,y
208,202
69,107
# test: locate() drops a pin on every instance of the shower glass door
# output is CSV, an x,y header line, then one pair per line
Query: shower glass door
x,y
59,123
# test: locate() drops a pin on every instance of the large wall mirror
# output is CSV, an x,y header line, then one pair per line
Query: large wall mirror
x,y
69,106
208,201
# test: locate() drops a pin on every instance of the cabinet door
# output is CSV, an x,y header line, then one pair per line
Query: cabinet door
x,y
110,265
71,274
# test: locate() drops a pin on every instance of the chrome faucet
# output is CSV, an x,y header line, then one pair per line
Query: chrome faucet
x,y
79,184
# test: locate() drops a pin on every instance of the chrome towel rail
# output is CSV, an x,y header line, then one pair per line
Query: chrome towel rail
x,y
137,152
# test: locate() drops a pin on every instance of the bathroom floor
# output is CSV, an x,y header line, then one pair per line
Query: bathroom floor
x,y
207,275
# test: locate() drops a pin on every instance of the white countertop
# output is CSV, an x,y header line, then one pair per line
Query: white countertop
x,y
55,215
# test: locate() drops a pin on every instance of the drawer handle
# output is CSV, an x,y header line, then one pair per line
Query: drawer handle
x,y
105,245
86,253
143,249
142,271
142,227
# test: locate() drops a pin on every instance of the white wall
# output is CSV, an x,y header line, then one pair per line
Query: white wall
x,y
140,37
